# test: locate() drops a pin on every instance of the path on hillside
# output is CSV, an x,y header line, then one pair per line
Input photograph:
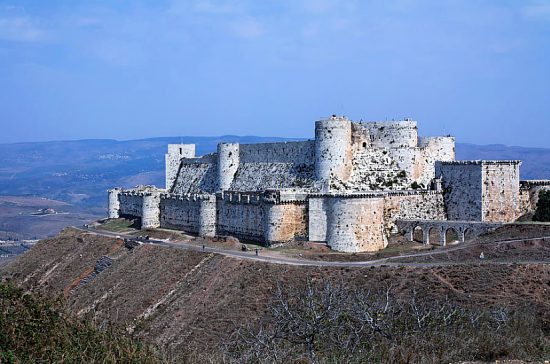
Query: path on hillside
x,y
389,261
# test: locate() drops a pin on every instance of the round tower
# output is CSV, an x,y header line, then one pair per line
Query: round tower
x,y
228,163
150,216
333,153
114,203
355,224
207,217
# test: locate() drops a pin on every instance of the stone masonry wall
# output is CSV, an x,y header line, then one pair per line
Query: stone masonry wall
x,y
300,153
285,222
432,149
243,220
150,216
422,205
317,223
462,188
500,194
172,160
333,151
131,204
114,203
197,176
180,213
262,176
355,224
398,134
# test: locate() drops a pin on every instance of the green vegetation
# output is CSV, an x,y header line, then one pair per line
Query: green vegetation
x,y
542,213
118,225
37,329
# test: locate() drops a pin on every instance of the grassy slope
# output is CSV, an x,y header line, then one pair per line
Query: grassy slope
x,y
35,328
182,299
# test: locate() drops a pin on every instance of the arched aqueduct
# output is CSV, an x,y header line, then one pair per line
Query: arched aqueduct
x,y
463,230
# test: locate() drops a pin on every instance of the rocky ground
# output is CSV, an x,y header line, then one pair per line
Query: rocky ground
x,y
181,299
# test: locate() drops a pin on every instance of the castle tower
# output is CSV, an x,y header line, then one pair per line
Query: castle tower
x,y
114,203
207,217
172,159
333,152
480,190
355,224
150,216
228,163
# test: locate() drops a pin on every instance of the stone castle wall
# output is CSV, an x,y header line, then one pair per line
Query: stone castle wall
x,y
347,187
388,206
301,152
317,224
398,134
422,205
355,224
197,176
333,150
150,215
462,190
500,195
180,213
243,218
131,204
481,190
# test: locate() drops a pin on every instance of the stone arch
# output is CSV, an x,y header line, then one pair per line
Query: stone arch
x,y
452,235
432,235
418,234
469,233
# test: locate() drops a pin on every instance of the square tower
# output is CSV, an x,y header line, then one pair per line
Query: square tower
x,y
173,158
480,190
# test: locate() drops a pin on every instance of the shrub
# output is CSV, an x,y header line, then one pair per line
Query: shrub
x,y
35,328
542,212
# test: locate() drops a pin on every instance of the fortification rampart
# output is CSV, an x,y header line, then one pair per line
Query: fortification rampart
x,y
300,152
481,190
355,224
389,206
131,204
347,187
393,134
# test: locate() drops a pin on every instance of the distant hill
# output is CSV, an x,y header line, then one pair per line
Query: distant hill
x,y
80,171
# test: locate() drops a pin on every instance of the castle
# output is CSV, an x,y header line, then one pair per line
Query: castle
x,y
349,187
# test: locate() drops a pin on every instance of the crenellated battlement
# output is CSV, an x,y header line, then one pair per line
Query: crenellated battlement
x,y
347,187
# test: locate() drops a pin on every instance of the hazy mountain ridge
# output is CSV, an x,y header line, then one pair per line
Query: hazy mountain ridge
x,y
80,171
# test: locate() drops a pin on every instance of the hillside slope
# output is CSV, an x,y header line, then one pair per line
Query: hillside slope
x,y
188,301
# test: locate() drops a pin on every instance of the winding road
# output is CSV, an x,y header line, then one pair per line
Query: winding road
x,y
262,257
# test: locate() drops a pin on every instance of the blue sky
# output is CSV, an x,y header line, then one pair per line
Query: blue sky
x,y
70,69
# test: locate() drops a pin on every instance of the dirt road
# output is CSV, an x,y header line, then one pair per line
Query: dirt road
x,y
264,256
